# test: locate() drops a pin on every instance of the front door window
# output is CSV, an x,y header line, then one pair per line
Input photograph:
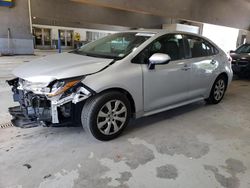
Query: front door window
x,y
169,44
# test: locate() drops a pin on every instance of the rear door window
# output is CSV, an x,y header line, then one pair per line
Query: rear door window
x,y
198,47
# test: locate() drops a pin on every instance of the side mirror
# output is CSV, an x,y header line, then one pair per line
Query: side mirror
x,y
158,59
231,51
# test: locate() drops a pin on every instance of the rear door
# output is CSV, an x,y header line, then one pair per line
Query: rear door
x,y
201,56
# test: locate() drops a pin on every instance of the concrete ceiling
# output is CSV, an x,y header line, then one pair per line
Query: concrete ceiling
x,y
68,13
233,13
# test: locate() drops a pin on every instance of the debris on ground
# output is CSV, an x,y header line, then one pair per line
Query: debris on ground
x,y
47,176
27,165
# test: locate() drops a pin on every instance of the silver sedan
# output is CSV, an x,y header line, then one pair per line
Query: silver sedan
x,y
130,74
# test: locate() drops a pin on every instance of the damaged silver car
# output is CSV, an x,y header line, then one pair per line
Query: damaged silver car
x,y
130,74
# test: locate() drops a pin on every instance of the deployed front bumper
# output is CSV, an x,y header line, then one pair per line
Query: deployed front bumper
x,y
38,109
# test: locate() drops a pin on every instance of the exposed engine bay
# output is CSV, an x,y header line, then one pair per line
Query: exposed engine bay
x,y
56,103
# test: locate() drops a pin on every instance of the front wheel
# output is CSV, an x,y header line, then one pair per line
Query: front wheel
x,y
106,115
218,90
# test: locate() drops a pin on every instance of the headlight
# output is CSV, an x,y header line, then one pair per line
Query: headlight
x,y
61,86
37,87
31,85
57,85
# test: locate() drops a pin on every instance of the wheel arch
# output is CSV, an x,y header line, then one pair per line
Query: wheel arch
x,y
224,74
127,94
213,81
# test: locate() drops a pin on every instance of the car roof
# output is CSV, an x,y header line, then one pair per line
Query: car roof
x,y
163,31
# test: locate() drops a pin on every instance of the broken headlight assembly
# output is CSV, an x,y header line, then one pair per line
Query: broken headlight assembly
x,y
53,89
65,91
42,101
60,86
35,87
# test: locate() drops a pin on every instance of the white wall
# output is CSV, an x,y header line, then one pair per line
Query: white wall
x,y
224,37
181,27
241,34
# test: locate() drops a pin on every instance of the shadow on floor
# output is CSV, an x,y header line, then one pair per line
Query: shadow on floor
x,y
169,114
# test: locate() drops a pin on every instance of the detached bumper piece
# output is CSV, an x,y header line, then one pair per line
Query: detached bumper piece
x,y
19,119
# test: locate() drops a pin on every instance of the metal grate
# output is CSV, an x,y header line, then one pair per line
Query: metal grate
x,y
6,125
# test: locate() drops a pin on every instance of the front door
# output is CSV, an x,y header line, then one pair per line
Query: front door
x,y
166,84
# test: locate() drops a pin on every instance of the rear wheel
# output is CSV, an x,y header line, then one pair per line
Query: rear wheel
x,y
106,115
218,90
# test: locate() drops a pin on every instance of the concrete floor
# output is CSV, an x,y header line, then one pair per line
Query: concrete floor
x,y
197,145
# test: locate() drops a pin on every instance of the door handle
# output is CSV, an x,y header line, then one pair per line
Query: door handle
x,y
185,67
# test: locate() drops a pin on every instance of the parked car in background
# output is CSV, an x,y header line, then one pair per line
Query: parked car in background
x,y
131,74
241,60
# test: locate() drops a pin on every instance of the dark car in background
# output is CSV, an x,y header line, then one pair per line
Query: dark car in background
x,y
241,60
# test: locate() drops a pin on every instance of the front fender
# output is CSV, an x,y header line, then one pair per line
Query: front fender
x,y
116,76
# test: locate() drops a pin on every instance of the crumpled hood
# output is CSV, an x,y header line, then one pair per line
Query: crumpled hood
x,y
60,66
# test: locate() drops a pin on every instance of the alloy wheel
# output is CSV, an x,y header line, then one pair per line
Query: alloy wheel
x,y
219,89
111,117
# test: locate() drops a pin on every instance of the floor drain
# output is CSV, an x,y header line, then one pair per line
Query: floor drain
x,y
6,125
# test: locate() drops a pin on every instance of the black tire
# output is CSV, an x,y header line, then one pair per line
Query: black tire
x,y
212,99
92,107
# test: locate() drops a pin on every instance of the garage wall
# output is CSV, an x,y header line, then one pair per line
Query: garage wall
x,y
54,31
81,31
243,34
86,35
17,20
225,37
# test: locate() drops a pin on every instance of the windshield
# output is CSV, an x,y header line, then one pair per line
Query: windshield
x,y
243,49
115,46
